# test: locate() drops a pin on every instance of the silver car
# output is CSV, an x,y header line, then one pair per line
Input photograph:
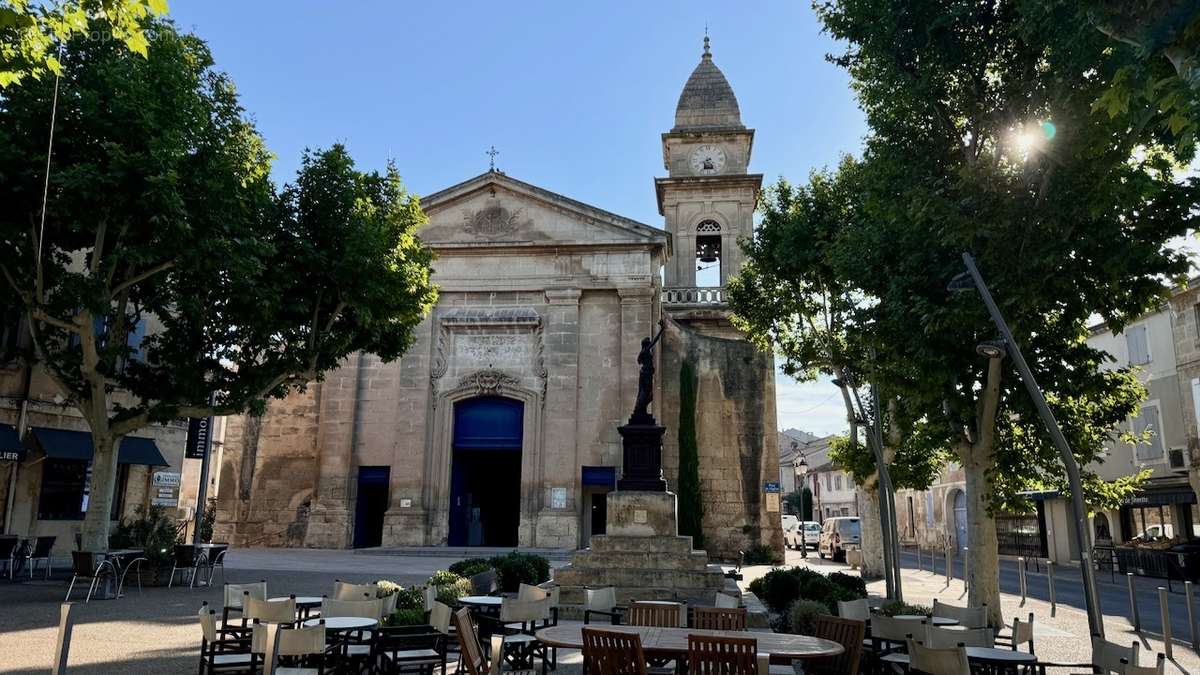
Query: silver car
x,y
792,537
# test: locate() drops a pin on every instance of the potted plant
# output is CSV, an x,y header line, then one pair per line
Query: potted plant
x,y
155,533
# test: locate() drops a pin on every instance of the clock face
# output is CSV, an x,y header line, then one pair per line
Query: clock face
x,y
707,159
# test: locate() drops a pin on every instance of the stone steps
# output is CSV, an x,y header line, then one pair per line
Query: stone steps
x,y
604,543
695,561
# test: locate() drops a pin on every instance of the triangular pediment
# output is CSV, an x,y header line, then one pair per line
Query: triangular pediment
x,y
493,209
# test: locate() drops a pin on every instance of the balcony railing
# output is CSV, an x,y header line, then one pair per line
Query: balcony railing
x,y
693,295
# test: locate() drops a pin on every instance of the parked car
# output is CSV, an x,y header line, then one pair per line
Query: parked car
x,y
812,535
789,521
837,534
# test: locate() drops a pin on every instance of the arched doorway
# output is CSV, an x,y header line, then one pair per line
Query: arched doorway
x,y
485,475
961,533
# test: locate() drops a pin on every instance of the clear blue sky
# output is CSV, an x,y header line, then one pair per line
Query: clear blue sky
x,y
574,95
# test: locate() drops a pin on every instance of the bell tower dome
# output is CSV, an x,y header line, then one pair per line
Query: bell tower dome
x,y
707,198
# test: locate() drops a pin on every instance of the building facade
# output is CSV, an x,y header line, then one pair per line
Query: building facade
x,y
499,426
46,450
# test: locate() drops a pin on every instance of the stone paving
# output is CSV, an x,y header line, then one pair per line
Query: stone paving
x,y
156,631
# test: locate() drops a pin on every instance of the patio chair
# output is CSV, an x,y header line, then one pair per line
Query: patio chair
x,y
726,601
440,620
485,583
717,618
657,614
846,632
518,621
889,634
608,652
1021,633
265,611
429,593
92,567
363,609
937,661
858,610
135,564
303,649
40,552
711,655
473,660
225,649
937,637
528,592
8,552
602,602
235,595
185,560
401,648
347,591
1156,669
217,560
967,617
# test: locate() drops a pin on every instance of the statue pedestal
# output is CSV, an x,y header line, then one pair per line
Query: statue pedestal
x,y
642,514
642,456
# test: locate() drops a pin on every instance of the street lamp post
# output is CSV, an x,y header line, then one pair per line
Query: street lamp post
x,y
801,468
1078,512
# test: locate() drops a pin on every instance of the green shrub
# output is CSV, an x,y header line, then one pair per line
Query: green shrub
x,y
895,608
761,554
779,588
802,616
518,568
410,599
449,586
150,530
854,584
207,521
470,567
407,617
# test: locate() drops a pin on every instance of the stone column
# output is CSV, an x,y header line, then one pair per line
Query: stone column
x,y
330,519
560,462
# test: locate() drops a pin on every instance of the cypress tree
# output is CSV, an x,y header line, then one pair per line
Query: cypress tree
x,y
691,508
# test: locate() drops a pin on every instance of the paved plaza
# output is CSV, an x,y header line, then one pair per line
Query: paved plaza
x,y
155,631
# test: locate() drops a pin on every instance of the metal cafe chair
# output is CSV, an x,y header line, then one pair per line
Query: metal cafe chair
x,y
40,552
136,563
186,560
8,553
90,566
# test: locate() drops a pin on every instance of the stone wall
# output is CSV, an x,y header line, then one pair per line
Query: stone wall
x,y
736,435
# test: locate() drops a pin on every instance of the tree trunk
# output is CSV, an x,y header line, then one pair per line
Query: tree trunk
x,y
100,492
983,552
872,534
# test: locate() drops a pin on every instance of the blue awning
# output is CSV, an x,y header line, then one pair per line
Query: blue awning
x,y
604,476
10,444
77,445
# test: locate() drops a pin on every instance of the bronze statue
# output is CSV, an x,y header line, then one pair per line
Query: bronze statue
x,y
645,359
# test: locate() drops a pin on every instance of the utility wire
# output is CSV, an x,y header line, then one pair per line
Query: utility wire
x,y
49,153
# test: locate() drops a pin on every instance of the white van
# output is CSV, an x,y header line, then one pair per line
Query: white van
x,y
837,534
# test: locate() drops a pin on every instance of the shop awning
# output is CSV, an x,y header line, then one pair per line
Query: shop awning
x,y
77,445
10,444
1160,498
603,476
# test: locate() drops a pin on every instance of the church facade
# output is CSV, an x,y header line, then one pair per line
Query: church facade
x,y
499,426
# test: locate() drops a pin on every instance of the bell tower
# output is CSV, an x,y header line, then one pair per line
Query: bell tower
x,y
707,198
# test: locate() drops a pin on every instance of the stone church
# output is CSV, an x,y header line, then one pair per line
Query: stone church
x,y
499,426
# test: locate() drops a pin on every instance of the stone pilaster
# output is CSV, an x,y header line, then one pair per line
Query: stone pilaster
x,y
330,519
560,466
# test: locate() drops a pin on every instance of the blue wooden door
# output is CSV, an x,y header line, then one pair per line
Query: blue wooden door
x,y
485,479
961,533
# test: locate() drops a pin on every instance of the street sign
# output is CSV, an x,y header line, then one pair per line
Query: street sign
x,y
771,487
199,429
166,488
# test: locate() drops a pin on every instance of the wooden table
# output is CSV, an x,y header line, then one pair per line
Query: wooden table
x,y
672,642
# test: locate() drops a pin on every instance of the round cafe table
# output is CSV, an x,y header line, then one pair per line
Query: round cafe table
x,y
932,620
305,604
482,600
1003,659
343,622
672,643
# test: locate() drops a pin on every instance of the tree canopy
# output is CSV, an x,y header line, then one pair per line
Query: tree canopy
x,y
29,31
170,267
